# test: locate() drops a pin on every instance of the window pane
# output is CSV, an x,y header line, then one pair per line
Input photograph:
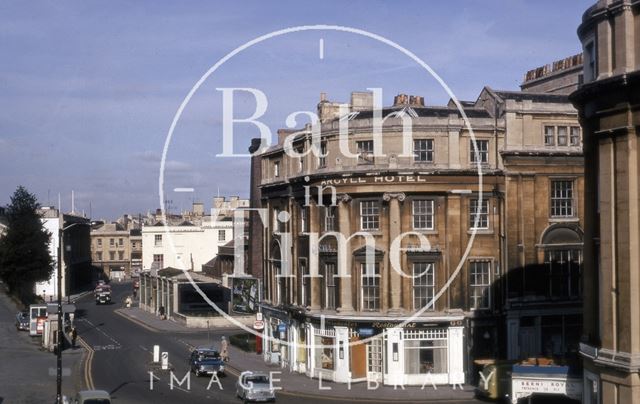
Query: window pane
x,y
423,214
549,136
369,215
479,210
423,284
370,286
480,284
562,198
423,150
562,135
575,136
482,154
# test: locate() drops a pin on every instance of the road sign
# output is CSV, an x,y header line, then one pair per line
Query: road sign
x,y
258,316
165,360
156,353
258,325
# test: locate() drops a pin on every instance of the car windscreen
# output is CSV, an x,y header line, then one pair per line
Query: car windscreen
x,y
258,379
209,355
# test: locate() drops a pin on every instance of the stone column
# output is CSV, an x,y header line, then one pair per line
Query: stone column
x,y
395,280
344,218
314,227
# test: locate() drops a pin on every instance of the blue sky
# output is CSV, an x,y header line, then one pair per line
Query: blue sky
x,y
88,90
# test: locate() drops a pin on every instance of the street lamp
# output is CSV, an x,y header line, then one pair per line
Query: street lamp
x,y
60,332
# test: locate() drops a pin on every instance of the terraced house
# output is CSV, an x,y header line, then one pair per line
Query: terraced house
x,y
503,247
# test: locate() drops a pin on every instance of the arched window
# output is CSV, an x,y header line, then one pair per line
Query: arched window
x,y
563,261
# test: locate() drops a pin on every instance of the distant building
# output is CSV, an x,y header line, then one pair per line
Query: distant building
x,y
70,232
193,241
111,249
609,105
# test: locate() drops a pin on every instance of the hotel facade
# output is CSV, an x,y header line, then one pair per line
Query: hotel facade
x,y
487,266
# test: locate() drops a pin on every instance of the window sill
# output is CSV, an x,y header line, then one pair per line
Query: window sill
x,y
481,231
569,219
426,231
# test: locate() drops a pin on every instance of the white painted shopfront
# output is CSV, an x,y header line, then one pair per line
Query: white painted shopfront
x,y
420,353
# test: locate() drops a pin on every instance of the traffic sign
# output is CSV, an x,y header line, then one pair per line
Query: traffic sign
x,y
165,360
258,325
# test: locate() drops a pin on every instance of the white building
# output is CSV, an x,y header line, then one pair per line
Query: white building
x,y
194,242
76,260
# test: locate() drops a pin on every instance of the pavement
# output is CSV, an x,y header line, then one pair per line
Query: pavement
x,y
28,373
296,384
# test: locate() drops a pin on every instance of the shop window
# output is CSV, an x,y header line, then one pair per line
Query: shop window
x,y
325,356
480,284
370,286
422,210
423,150
423,284
425,351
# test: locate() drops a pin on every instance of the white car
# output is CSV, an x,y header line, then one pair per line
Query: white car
x,y
255,387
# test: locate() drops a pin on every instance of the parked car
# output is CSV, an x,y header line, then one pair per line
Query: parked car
x,y
255,386
22,321
91,397
206,361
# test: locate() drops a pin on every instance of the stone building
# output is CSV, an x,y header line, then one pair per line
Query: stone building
x,y
111,249
609,105
485,235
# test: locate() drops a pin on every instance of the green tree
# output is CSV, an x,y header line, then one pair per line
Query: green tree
x,y
24,249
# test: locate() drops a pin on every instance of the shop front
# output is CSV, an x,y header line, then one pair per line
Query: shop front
x,y
419,353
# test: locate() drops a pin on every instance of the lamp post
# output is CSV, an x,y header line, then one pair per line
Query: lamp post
x,y
60,332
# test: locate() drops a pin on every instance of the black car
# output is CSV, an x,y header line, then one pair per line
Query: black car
x,y
22,321
206,361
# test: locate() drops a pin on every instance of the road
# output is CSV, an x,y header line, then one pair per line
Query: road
x,y
120,363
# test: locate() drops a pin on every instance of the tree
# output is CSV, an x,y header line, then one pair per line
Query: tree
x,y
24,249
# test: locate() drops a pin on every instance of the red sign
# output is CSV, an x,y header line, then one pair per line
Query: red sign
x,y
40,325
258,325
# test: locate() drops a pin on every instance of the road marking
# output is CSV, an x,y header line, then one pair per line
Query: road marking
x,y
97,328
88,378
135,320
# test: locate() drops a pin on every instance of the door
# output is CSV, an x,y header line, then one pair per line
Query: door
x,y
528,344
374,359
358,356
